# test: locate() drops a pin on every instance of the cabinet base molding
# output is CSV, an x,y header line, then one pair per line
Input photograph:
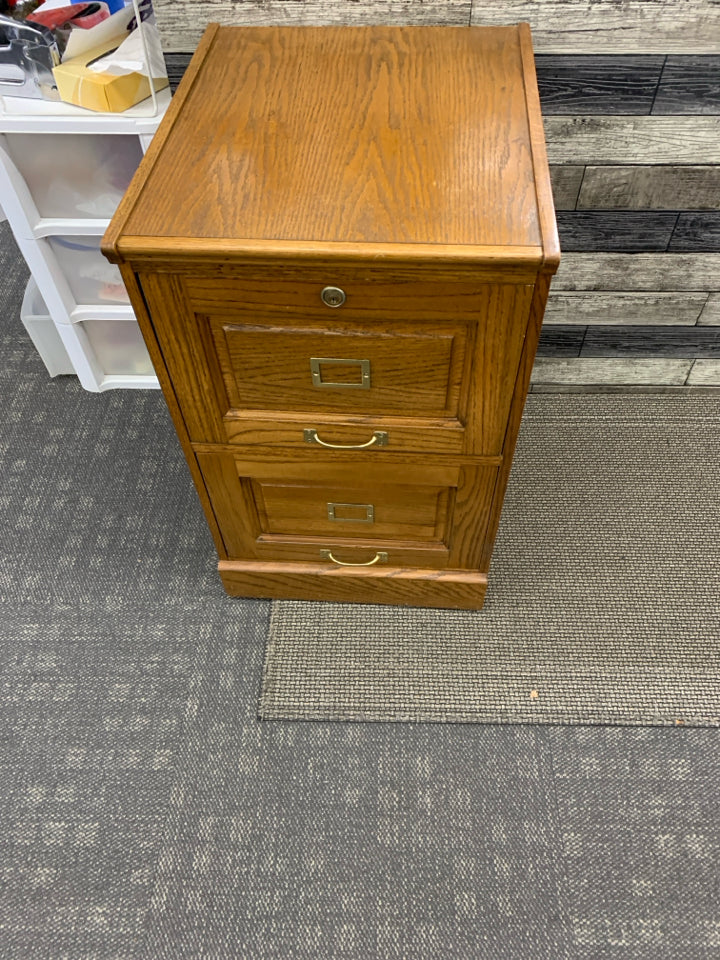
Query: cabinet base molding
x,y
453,589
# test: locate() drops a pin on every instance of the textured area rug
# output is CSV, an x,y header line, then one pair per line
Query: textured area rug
x,y
604,595
146,813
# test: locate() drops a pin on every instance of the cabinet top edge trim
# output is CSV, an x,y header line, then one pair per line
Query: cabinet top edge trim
x,y
169,249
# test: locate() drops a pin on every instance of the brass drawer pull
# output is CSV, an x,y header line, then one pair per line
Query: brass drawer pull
x,y
379,438
380,557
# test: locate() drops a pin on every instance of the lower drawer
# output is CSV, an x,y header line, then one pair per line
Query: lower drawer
x,y
407,514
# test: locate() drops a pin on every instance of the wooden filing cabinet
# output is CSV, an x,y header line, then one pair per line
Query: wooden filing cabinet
x,y
339,247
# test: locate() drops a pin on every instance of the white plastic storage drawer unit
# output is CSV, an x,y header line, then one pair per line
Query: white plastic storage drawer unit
x,y
63,171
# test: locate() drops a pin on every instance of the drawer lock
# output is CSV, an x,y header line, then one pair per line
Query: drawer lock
x,y
332,296
379,438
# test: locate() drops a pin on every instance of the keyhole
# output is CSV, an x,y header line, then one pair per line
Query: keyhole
x,y
333,296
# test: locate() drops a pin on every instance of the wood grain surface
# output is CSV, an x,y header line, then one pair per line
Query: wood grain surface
x,y
616,230
609,26
559,26
561,341
623,140
585,84
644,187
181,24
639,272
460,589
575,84
696,232
704,373
400,150
611,371
690,85
711,310
620,309
566,181
633,341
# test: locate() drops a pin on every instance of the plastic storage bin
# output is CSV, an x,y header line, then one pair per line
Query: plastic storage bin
x,y
75,176
118,346
37,321
91,278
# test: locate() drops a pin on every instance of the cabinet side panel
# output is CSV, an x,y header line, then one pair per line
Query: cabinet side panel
x,y
497,353
537,310
470,515
143,317
185,353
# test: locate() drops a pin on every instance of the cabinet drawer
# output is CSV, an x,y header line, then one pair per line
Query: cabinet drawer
x,y
418,513
352,510
446,374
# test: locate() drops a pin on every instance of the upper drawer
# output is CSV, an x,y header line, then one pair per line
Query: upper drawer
x,y
433,363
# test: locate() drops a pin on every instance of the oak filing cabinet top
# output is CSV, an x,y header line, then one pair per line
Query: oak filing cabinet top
x,y
331,139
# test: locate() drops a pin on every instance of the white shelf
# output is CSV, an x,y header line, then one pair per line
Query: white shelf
x,y
25,115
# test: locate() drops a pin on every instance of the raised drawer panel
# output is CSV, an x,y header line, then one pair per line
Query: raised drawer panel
x,y
352,510
392,370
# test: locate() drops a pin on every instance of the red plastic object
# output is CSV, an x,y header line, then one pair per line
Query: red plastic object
x,y
83,15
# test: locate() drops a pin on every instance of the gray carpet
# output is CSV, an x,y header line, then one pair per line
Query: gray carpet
x,y
146,813
604,597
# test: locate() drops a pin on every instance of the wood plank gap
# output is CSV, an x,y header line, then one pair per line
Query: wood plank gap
x,y
657,85
579,193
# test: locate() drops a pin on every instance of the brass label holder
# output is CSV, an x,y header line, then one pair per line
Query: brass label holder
x,y
369,509
317,380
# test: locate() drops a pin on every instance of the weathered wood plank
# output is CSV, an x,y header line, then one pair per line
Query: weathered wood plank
x,y
609,26
177,64
622,140
696,233
619,309
711,310
566,182
639,272
181,24
679,342
621,231
689,85
607,85
704,373
604,370
649,188
560,341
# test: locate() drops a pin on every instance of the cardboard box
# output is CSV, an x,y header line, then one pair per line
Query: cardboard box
x,y
104,92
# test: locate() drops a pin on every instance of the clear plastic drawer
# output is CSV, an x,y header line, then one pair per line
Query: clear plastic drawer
x,y
118,346
75,175
92,278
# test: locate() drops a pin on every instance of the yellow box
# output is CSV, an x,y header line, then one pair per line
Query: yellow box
x,y
104,92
